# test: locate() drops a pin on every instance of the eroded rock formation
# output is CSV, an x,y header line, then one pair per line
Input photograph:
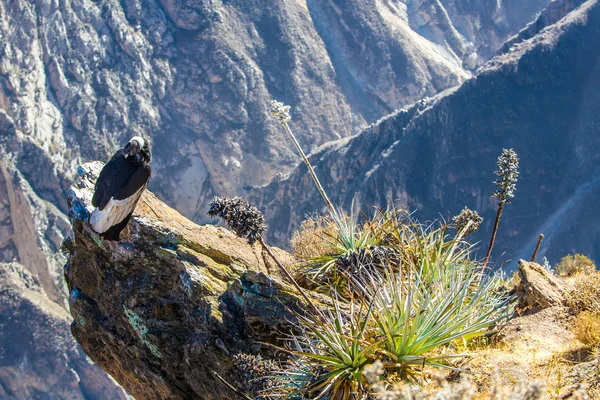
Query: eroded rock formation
x,y
166,309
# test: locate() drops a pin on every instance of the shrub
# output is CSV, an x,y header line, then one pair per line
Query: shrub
x,y
587,328
420,311
586,294
312,239
351,248
332,352
410,290
575,264
403,317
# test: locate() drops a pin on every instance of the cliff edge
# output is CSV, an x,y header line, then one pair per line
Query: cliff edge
x,y
165,309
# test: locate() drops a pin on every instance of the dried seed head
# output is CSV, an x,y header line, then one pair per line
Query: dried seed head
x,y
241,217
281,112
460,221
507,172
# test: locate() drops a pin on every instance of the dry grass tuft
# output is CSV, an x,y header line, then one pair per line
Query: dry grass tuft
x,y
587,328
463,390
585,296
312,239
575,264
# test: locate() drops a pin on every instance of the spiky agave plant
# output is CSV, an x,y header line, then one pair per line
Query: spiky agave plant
x,y
427,247
330,354
353,247
406,322
417,316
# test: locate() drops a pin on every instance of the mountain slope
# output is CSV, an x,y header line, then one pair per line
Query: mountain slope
x,y
39,359
439,155
79,78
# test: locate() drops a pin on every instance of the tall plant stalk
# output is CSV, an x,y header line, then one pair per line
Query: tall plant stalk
x,y
282,113
537,247
494,232
507,172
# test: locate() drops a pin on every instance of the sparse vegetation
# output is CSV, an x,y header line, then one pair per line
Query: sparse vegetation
x,y
407,300
575,264
467,217
409,317
585,296
587,328
311,240
409,294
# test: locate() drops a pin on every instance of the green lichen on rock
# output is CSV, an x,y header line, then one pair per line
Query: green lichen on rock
x,y
136,323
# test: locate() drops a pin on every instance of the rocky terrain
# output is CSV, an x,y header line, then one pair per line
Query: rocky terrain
x,y
166,310
438,155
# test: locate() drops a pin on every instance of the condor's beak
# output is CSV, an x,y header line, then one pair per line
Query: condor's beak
x,y
134,148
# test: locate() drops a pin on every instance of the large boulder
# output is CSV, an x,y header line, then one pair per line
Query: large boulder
x,y
538,288
165,309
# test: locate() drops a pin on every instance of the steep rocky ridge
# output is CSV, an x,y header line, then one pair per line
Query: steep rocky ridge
x,y
550,15
439,155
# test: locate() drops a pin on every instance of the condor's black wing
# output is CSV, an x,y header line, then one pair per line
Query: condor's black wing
x,y
136,181
112,178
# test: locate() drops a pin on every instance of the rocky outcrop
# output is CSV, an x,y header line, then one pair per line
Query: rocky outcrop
x,y
165,310
39,359
538,288
439,154
555,11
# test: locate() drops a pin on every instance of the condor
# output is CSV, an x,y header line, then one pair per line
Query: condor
x,y
119,188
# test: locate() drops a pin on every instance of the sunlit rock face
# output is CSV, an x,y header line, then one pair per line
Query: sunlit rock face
x,y
165,310
439,154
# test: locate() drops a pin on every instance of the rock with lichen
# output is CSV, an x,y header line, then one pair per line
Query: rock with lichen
x,y
165,310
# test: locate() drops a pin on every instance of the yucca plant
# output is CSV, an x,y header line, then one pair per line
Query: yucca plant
x,y
417,316
331,352
352,243
352,246
507,172
428,248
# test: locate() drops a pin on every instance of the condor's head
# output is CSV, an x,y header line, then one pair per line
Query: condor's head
x,y
137,150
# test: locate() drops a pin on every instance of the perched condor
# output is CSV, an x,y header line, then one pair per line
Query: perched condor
x,y
119,187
